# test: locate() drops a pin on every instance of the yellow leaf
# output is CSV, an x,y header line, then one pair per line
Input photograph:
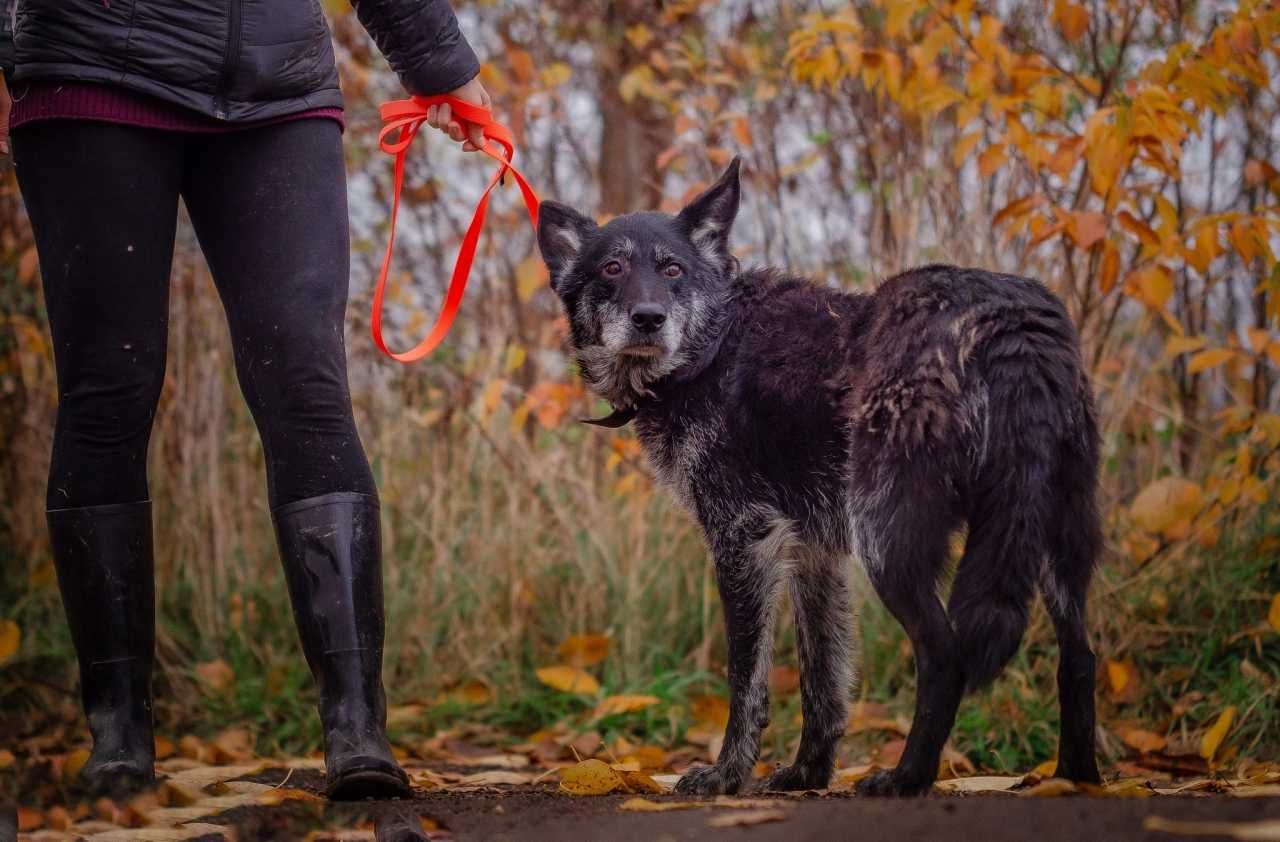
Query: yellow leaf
x,y
1118,676
991,160
471,693
1183,344
612,705
584,650
710,710
216,676
964,146
531,276
1086,228
1072,19
1152,285
556,74
1144,741
1214,736
1210,358
491,396
644,805
73,763
1273,616
590,777
568,679
1166,503
10,639
639,35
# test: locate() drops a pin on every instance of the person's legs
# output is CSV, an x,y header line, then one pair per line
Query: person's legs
x,y
269,206
102,200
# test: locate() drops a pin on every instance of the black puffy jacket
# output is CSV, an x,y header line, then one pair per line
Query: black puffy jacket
x,y
234,60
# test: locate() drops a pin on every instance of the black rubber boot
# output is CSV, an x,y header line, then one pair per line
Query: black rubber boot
x,y
106,574
331,548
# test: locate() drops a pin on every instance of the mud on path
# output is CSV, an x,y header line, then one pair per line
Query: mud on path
x,y
243,809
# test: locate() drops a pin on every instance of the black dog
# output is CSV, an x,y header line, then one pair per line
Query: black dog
x,y
802,426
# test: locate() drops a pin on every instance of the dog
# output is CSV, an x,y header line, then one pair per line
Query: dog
x,y
805,426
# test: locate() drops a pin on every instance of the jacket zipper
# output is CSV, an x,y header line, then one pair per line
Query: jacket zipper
x,y
229,62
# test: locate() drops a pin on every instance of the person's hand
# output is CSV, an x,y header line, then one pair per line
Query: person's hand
x,y
441,117
5,104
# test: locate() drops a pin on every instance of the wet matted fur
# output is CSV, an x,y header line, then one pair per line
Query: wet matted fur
x,y
804,426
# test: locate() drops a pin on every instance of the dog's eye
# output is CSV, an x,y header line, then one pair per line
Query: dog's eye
x,y
612,269
673,270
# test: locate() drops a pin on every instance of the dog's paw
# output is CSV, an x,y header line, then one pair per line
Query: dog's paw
x,y
1082,773
707,780
892,785
797,777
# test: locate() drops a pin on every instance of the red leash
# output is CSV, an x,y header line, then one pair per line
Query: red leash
x,y
402,118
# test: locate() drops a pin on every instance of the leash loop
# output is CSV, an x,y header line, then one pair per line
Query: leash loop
x,y
401,120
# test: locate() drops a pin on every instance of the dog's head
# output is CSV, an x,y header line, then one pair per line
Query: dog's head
x,y
641,291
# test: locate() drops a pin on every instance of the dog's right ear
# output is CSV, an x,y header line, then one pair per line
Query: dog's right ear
x,y
561,233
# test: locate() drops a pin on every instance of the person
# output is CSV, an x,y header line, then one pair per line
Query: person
x,y
119,109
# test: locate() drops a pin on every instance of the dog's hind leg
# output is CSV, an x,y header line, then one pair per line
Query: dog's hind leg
x,y
903,543
748,555
824,620
1073,552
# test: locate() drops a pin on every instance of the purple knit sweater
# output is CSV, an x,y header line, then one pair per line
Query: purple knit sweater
x,y
107,103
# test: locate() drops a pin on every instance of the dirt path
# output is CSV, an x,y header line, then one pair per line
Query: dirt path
x,y
278,804
532,813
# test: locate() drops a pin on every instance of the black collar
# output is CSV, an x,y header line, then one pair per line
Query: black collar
x,y
622,416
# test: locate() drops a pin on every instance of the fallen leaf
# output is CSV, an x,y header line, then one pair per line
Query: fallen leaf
x,y
6,758
710,710
590,777
1144,741
644,805
1045,769
613,705
584,650
784,679
1051,788
1166,503
233,745
1273,616
747,818
1265,831
979,783
215,676
73,763
568,679
10,639
646,757
1214,736
495,777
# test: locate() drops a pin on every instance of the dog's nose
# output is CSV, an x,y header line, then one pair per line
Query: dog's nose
x,y
647,317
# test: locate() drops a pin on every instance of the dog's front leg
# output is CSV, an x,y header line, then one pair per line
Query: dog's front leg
x,y
748,578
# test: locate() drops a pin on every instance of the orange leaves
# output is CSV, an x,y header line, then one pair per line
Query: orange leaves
x,y
215,677
614,705
1208,359
568,679
1152,285
1086,228
1213,738
1273,615
1122,681
584,650
1167,504
1071,18
10,640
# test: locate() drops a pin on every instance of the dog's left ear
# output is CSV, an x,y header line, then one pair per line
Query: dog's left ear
x,y
708,218
561,233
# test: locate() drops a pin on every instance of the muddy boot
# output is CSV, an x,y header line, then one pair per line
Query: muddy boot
x,y
106,575
331,548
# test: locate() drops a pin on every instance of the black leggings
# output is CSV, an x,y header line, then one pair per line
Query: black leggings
x,y
270,210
